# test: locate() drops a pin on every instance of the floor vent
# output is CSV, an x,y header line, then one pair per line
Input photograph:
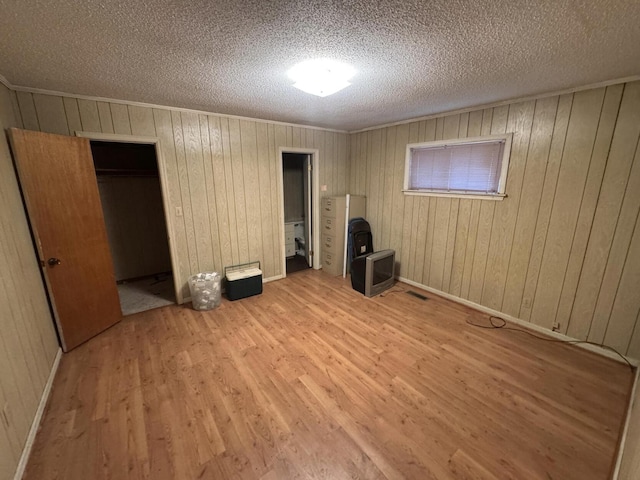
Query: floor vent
x,y
417,295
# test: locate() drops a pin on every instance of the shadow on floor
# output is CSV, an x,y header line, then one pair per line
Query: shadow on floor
x,y
296,264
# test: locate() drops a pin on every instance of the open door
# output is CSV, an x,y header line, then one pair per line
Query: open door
x,y
61,195
307,209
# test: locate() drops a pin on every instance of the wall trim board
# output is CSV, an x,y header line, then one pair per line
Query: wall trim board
x,y
625,428
5,82
522,323
272,279
44,91
501,103
164,188
116,137
35,425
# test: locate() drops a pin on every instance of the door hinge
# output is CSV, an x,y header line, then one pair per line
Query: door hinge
x,y
310,167
310,252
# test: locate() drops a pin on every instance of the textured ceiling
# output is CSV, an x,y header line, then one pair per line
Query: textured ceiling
x,y
413,57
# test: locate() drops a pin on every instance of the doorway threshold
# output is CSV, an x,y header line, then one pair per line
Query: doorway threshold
x,y
142,294
296,263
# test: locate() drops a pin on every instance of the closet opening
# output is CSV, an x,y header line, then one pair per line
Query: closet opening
x,y
297,196
131,196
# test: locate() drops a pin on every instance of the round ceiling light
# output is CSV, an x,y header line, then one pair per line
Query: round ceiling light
x,y
321,77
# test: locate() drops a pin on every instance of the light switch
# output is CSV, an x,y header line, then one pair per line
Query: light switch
x,y
178,211
323,188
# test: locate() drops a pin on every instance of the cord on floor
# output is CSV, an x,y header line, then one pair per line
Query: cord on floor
x,y
393,290
498,323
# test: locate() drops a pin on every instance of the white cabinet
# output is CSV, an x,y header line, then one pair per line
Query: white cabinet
x,y
289,239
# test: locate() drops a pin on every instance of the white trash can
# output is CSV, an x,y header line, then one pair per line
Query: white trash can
x,y
205,290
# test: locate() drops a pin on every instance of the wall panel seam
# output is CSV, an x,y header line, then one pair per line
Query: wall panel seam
x,y
573,238
517,207
626,256
546,235
610,247
606,162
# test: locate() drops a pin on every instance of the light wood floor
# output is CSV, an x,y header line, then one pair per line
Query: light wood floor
x,y
312,380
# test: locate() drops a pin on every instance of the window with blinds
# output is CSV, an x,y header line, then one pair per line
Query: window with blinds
x,y
470,166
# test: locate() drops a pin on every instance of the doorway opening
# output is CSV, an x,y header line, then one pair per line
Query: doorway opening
x,y
297,189
131,196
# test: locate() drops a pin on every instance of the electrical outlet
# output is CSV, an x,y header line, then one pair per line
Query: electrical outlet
x,y
526,302
323,188
556,326
178,211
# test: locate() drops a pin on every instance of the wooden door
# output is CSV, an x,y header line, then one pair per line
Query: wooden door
x,y
59,185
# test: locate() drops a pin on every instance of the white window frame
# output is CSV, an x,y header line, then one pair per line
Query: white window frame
x,y
502,181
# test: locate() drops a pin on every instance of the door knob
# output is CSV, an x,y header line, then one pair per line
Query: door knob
x,y
54,261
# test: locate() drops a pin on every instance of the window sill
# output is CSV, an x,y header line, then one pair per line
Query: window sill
x,y
469,196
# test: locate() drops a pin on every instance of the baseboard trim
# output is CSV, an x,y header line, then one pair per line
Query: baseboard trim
x,y
522,323
271,279
26,451
625,429
538,329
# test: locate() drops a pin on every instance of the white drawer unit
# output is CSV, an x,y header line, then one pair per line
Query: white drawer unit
x,y
289,239
290,250
332,229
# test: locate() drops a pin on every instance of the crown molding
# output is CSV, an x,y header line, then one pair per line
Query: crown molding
x,y
501,103
42,91
18,88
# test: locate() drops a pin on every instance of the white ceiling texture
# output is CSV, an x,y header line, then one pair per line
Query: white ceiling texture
x,y
413,57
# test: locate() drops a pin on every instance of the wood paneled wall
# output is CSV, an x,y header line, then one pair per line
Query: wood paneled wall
x,y
28,343
563,247
221,171
137,232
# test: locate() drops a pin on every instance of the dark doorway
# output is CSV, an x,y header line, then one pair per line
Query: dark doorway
x,y
296,174
131,196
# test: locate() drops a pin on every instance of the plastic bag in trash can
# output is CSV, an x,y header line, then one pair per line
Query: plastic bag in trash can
x,y
205,290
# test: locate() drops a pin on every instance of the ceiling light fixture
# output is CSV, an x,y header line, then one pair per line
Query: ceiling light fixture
x,y
321,77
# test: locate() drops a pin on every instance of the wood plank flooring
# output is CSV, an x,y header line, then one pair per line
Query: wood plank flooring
x,y
311,380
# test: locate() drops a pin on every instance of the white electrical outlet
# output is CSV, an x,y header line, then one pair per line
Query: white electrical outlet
x,y
556,326
526,302
178,211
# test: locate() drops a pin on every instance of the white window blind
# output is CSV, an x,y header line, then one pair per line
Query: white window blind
x,y
466,166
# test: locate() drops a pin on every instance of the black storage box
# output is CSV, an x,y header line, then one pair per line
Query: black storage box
x,y
243,280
